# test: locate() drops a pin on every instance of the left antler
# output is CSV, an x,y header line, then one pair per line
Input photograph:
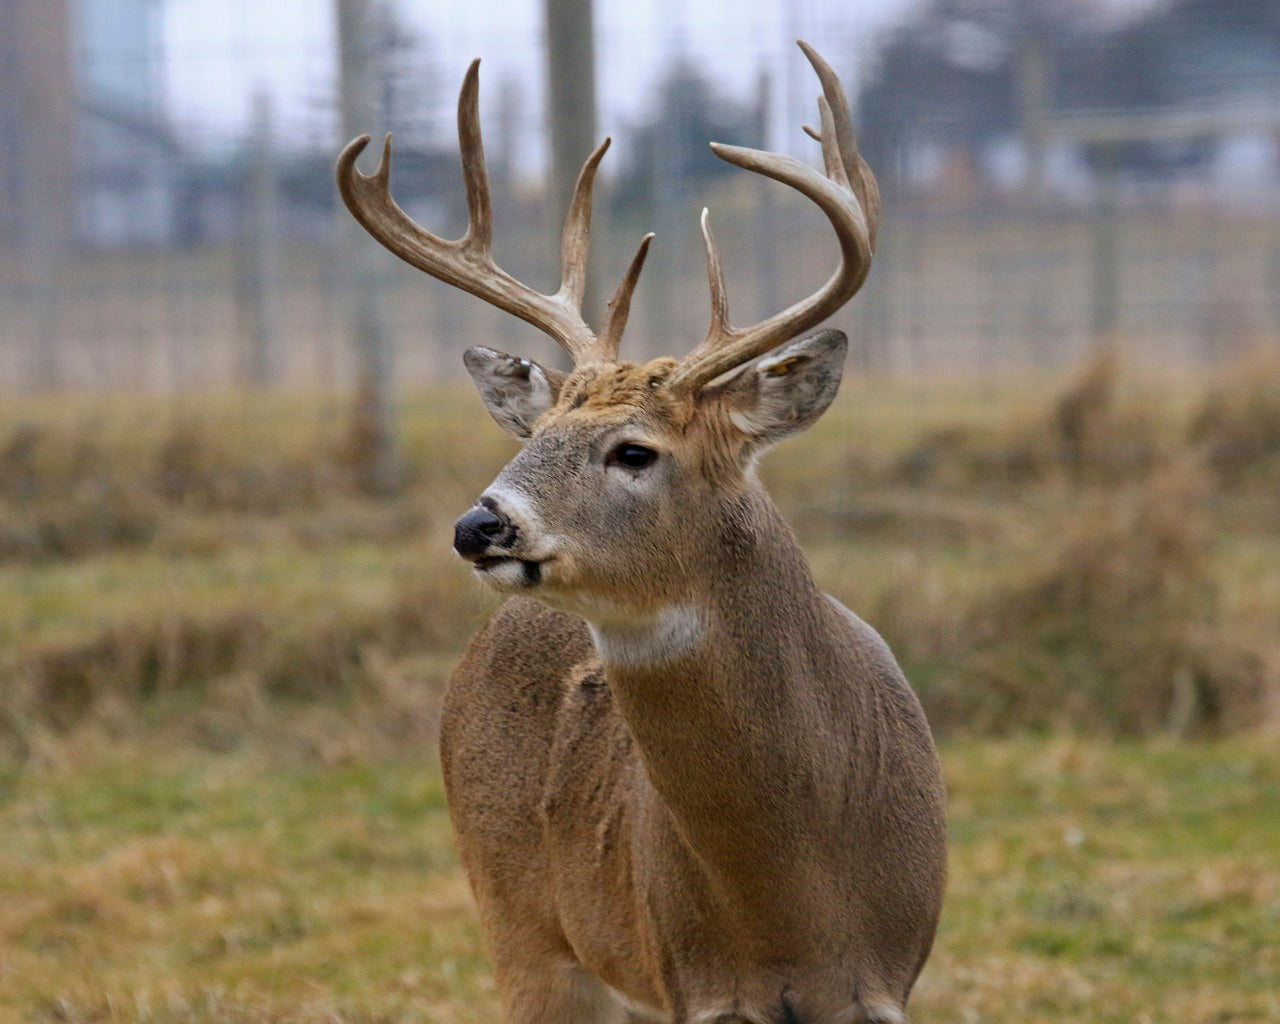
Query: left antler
x,y
468,262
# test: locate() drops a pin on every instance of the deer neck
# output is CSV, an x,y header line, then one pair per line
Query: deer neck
x,y
754,593
723,692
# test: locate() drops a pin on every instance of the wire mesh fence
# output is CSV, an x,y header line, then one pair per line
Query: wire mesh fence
x,y
187,258
970,293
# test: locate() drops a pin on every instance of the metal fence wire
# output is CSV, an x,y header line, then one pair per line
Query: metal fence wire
x,y
169,262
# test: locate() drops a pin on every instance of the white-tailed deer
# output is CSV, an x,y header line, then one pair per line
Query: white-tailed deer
x,y
686,784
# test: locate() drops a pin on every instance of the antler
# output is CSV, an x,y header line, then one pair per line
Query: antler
x,y
850,198
468,263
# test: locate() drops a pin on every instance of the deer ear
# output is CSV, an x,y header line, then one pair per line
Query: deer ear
x,y
785,393
515,391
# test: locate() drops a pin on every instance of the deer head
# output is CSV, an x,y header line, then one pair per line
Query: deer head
x,y
628,470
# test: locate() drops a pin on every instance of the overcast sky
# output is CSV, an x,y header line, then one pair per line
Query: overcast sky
x,y
217,52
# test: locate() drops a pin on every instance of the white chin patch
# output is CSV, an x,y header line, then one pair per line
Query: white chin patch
x,y
667,635
507,575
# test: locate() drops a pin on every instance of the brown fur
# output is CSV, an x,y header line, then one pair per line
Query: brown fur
x,y
753,829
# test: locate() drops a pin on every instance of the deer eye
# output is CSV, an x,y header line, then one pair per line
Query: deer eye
x,y
633,456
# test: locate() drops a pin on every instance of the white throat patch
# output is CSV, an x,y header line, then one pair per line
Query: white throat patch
x,y
667,635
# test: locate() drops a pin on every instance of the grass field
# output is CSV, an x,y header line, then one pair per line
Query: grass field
x,y
145,882
221,667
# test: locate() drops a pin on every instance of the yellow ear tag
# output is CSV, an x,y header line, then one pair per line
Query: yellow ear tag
x,y
783,368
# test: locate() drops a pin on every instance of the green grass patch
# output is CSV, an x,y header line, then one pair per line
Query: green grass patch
x,y
145,882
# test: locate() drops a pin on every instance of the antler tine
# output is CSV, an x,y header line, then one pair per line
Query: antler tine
x,y
832,160
467,262
846,193
620,304
857,173
715,281
577,230
475,173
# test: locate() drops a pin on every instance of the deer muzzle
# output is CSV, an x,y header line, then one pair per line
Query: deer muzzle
x,y
483,531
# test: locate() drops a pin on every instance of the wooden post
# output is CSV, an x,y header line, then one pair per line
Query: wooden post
x,y
40,164
1033,111
376,446
260,251
571,111
768,225
1105,283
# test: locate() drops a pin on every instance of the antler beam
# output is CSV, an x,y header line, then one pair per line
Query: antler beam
x,y
468,262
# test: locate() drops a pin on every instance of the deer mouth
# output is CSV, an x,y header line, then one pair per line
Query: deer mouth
x,y
507,570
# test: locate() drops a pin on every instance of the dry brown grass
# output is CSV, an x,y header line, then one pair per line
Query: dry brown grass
x,y
1096,429
1115,628
1238,423
1110,615
1067,561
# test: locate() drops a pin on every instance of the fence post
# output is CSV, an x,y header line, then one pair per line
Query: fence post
x,y
376,445
259,251
767,223
571,110
45,200
1105,258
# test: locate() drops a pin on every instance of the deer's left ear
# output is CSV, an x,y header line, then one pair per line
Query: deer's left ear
x,y
515,391
785,392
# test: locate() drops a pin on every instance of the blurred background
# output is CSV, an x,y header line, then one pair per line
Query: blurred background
x,y
235,434
1055,173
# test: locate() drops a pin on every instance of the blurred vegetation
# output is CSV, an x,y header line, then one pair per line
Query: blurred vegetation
x,y
1094,555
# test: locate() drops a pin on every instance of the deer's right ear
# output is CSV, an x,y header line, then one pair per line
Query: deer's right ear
x,y
515,391
786,391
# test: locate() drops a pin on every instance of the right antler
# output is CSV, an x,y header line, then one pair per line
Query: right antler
x,y
850,198
468,263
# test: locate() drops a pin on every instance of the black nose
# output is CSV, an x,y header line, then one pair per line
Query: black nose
x,y
479,530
